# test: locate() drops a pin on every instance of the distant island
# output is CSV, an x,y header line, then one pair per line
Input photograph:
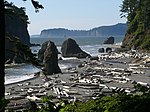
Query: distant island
x,y
113,30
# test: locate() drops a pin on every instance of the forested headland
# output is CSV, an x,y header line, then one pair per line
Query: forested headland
x,y
137,13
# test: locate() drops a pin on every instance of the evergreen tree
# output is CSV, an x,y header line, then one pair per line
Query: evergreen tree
x,y
137,13
2,47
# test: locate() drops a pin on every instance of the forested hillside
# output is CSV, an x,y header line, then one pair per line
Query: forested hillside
x,y
137,13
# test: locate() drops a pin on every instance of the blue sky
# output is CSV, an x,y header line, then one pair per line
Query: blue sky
x,y
72,14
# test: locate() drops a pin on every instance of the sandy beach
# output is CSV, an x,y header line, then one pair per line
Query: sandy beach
x,y
88,80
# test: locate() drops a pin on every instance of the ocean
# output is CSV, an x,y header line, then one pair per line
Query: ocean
x,y
20,72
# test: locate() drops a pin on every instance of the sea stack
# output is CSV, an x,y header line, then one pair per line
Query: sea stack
x,y
71,49
48,54
109,40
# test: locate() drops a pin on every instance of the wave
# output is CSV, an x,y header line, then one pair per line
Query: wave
x,y
119,43
14,79
19,72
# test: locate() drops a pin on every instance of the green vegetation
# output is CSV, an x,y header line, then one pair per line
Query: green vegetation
x,y
13,10
21,50
117,102
3,103
137,13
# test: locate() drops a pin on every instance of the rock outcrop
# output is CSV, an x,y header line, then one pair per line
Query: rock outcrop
x,y
16,32
48,54
17,52
18,28
9,49
71,49
109,40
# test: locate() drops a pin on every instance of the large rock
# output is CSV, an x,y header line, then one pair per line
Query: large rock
x,y
17,27
49,58
109,40
42,50
70,48
15,51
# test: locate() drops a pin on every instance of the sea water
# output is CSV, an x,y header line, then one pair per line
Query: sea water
x,y
25,71
19,72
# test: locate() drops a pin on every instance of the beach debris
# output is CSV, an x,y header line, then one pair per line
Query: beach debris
x,y
7,93
47,84
33,98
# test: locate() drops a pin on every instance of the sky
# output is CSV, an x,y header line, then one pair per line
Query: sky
x,y
72,14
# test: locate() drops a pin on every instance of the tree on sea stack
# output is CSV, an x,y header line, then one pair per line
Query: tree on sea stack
x,y
2,48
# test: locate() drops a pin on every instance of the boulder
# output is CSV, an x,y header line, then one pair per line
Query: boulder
x,y
71,49
50,58
108,49
101,50
109,40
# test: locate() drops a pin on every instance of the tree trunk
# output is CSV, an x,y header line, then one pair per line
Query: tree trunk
x,y
2,49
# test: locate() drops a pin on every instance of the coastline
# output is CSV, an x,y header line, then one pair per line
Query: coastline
x,y
89,77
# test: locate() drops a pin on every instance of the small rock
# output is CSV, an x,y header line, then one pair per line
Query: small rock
x,y
101,50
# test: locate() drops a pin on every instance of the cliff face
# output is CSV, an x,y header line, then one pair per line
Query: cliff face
x,y
137,13
17,38
9,48
140,41
114,30
17,27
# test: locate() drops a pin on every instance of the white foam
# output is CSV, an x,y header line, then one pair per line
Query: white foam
x,y
119,43
64,66
19,73
69,58
15,79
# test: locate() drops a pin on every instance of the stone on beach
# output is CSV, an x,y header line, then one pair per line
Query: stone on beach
x,y
101,50
49,58
108,49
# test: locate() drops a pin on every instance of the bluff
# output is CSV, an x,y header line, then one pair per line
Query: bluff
x,y
113,30
17,27
16,32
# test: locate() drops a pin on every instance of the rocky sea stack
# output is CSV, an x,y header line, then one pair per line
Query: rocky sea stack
x,y
17,39
109,40
71,49
48,54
